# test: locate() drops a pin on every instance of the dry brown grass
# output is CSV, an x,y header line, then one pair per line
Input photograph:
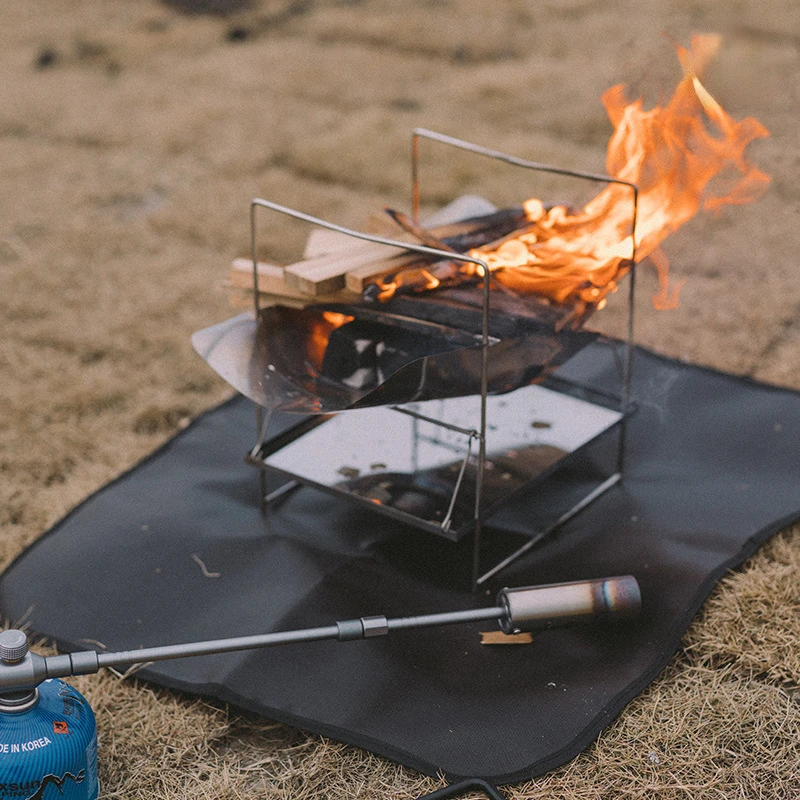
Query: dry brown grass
x,y
131,140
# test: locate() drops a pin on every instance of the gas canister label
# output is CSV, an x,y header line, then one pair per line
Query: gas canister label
x,y
24,747
37,789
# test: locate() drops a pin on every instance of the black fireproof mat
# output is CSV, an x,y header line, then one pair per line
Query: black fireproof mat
x,y
712,470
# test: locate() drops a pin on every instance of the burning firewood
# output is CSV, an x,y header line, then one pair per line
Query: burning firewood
x,y
661,164
336,265
421,234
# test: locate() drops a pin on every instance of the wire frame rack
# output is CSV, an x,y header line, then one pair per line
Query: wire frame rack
x,y
476,435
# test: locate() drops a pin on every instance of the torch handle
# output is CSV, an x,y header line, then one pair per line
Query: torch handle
x,y
516,609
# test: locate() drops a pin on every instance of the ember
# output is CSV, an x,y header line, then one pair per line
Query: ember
x,y
671,153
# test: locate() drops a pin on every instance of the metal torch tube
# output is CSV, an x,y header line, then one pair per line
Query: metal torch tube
x,y
127,657
516,609
346,630
451,618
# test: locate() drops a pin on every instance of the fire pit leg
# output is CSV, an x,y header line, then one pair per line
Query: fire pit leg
x,y
627,370
476,546
562,520
265,498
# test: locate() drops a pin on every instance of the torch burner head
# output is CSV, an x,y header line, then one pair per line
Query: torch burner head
x,y
565,603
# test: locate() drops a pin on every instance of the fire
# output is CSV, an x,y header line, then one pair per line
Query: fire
x,y
672,153
320,332
422,280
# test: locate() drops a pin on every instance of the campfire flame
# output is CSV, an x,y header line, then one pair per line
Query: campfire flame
x,y
319,334
672,153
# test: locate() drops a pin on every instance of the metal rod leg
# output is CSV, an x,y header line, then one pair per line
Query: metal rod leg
x,y
281,491
562,520
263,418
476,548
262,492
627,374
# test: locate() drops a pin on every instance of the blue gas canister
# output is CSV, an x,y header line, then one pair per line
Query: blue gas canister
x,y
48,739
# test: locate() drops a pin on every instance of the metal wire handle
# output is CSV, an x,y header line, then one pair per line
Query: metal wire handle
x,y
597,177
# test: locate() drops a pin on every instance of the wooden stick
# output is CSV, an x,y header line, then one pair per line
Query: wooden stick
x,y
357,279
270,277
335,262
323,241
272,282
329,260
326,273
469,233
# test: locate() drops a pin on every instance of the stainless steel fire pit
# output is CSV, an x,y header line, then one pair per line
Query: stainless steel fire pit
x,y
443,416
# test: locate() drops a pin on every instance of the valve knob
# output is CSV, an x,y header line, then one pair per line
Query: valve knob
x,y
13,646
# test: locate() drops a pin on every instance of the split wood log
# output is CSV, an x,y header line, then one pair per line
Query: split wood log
x,y
358,279
458,236
323,241
272,285
270,277
335,262
329,257
326,273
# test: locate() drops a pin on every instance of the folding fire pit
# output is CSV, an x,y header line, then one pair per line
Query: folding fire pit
x,y
454,405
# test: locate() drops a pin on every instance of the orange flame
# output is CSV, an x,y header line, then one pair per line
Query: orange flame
x,y
672,153
420,278
320,332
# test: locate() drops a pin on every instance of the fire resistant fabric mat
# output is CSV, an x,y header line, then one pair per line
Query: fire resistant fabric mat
x,y
712,470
